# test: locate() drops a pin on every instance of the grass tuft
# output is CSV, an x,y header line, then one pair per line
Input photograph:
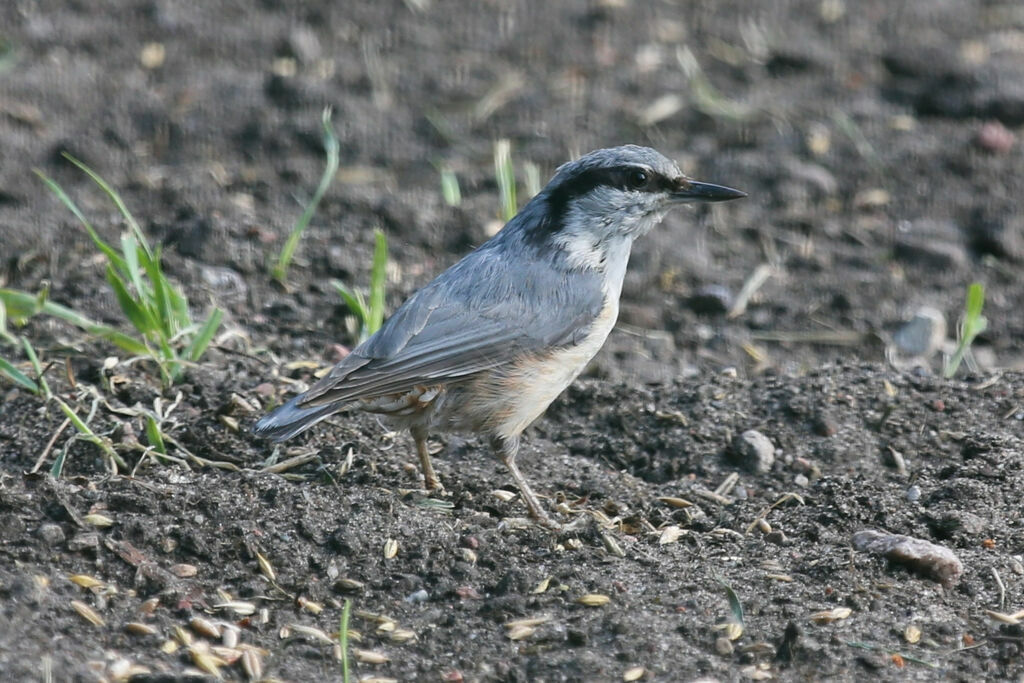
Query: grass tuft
x,y
972,324
369,313
154,306
332,147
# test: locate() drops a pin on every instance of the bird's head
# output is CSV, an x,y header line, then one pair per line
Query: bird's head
x,y
615,193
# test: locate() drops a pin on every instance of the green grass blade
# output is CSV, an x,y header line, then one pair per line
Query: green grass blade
x,y
153,435
44,386
450,187
332,148
974,323
15,375
346,612
378,282
204,336
86,432
118,202
354,301
136,314
58,191
506,177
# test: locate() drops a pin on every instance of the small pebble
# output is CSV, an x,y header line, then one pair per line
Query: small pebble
x,y
913,494
923,334
995,137
723,646
51,534
419,596
753,451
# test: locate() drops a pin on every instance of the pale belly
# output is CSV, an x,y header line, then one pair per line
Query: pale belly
x,y
506,402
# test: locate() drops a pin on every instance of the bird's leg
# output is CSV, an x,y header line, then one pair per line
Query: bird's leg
x,y
430,480
507,450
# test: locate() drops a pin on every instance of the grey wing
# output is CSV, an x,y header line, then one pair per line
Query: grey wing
x,y
482,313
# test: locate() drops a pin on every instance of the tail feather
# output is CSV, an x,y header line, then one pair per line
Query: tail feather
x,y
289,419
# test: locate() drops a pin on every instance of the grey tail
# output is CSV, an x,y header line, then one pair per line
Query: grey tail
x,y
289,419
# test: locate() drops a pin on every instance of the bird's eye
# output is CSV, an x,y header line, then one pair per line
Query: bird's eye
x,y
638,179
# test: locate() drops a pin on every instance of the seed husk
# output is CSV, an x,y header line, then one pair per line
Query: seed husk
x,y
349,584
149,606
612,546
97,519
675,502
520,632
184,571
670,534
88,613
85,581
390,548
238,607
310,632
402,635
229,635
830,615
503,495
205,627
310,606
593,600
252,665
370,656
542,586
169,647
634,674
139,629
529,621
206,660
182,636
912,634
265,567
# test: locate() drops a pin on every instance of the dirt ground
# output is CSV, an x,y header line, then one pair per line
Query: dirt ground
x,y
876,142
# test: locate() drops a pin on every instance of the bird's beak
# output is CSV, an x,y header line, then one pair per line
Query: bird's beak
x,y
694,191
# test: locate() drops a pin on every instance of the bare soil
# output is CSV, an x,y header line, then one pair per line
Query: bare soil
x,y
876,142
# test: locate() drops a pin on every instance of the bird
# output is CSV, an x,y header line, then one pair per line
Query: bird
x,y
486,346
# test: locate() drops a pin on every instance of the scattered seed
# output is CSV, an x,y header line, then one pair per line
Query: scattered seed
x,y
377,679
252,665
912,634
229,422
182,636
733,630
284,632
520,632
88,613
402,635
184,571
542,586
670,534
230,655
206,660
634,674
676,503
573,543
763,525
139,629
503,495
593,600
1012,619
229,635
265,568
169,647
237,606
204,627
390,548
830,615
264,617
338,653
224,595
469,555
310,632
529,621
96,519
149,606
349,584
370,656
612,546
310,606
85,581
386,626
